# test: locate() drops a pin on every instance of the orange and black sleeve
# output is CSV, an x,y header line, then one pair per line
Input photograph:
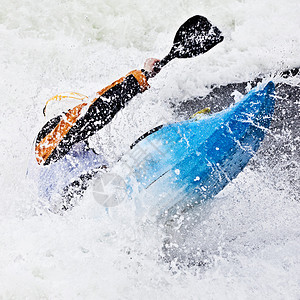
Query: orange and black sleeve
x,y
78,124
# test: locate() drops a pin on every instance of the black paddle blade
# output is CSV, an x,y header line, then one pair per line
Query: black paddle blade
x,y
196,36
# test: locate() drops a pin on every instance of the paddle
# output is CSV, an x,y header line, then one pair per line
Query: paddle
x,y
196,36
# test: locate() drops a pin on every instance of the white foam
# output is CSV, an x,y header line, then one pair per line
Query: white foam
x,y
250,240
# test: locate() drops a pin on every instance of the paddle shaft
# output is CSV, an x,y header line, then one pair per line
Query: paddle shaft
x,y
160,64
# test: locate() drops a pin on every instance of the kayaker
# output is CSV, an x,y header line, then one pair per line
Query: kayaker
x,y
62,156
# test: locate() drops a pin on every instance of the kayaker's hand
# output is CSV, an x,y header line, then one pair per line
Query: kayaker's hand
x,y
149,66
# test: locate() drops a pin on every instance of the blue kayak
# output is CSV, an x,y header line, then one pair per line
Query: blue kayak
x,y
187,163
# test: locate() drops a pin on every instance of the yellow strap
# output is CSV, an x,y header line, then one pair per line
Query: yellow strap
x,y
59,97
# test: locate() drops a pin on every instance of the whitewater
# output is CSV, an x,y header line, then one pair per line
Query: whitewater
x,y
245,246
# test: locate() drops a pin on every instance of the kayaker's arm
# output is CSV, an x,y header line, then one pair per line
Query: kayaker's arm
x,y
59,135
102,110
